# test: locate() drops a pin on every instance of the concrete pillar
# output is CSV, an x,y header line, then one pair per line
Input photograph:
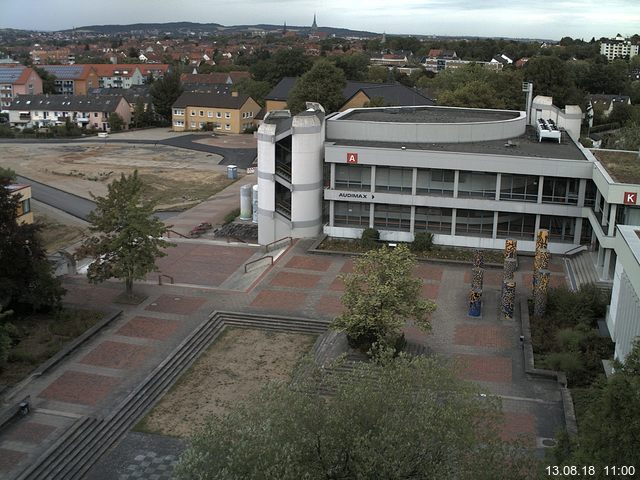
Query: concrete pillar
x,y
613,209
456,182
536,227
332,176
606,264
494,232
498,186
577,234
453,221
332,210
540,187
414,182
582,192
373,179
596,206
412,221
371,214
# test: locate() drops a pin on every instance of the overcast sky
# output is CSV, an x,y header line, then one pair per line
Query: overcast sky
x,y
547,19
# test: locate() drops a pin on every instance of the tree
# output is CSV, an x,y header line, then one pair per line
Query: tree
x,y
165,92
127,239
378,74
355,67
551,77
26,278
255,89
116,122
324,84
403,418
608,434
380,296
48,80
286,62
475,94
6,332
139,113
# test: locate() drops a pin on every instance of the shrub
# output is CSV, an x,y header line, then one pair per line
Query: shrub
x,y
586,142
6,132
231,216
571,339
568,362
422,242
369,238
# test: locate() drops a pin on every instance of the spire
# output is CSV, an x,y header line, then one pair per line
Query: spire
x,y
314,25
284,29
384,37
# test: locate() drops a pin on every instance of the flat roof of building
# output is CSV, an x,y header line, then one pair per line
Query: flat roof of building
x,y
526,145
428,115
624,167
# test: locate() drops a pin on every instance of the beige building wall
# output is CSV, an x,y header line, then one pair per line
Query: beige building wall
x,y
357,101
224,119
275,105
24,213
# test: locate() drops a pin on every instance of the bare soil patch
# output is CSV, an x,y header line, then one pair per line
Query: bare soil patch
x,y
176,178
56,235
236,365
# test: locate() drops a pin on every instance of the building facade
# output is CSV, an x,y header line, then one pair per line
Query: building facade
x,y
234,113
618,47
72,79
18,80
23,193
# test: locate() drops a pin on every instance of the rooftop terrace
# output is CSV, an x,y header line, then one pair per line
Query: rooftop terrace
x,y
429,115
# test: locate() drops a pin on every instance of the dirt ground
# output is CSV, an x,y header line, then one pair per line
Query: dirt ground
x,y
176,178
237,365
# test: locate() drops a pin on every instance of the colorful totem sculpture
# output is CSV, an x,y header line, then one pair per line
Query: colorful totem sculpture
x,y
542,239
540,294
478,258
510,248
508,299
477,276
540,262
475,302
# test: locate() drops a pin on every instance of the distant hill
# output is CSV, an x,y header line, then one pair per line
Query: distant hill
x,y
186,28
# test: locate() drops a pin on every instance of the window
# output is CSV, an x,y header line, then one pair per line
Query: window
x,y
209,114
561,229
227,127
178,111
193,113
392,217
523,188
202,113
227,115
516,225
178,123
201,125
475,223
590,194
24,207
433,219
250,114
560,190
95,114
435,182
353,177
394,179
193,124
477,185
351,214
218,115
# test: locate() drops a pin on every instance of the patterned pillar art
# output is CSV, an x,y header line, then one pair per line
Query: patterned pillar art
x,y
475,302
477,277
540,262
508,299
478,258
540,293
510,248
542,239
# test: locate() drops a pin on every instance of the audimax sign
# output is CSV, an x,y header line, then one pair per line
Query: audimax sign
x,y
363,196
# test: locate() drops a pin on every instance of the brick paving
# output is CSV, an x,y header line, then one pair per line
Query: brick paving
x,y
177,304
319,264
430,291
116,355
148,327
279,300
484,336
428,272
484,368
492,278
519,426
295,280
9,459
329,305
30,432
80,387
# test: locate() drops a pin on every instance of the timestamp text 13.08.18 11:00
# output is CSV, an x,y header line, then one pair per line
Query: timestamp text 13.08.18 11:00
x,y
623,471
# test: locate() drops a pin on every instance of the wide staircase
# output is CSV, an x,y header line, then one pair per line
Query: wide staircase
x,y
582,271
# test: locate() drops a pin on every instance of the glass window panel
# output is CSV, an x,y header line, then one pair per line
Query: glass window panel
x,y
523,188
392,217
433,219
474,223
477,184
516,225
351,214
435,182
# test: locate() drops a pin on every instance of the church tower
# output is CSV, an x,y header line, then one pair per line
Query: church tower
x,y
314,25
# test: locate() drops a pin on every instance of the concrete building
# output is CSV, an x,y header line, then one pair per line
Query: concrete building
x,y
234,113
618,47
23,192
72,79
623,315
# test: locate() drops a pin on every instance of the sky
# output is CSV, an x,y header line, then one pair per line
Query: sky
x,y
547,19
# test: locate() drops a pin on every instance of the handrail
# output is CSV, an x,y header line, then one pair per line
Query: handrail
x,y
177,233
266,247
579,248
164,275
256,261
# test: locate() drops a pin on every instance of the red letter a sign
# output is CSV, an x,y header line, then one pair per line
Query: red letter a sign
x,y
352,158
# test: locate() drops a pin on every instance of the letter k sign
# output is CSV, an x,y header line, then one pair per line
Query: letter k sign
x,y
630,198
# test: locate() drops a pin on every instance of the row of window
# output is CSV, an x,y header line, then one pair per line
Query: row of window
x,y
179,112
523,188
201,125
475,223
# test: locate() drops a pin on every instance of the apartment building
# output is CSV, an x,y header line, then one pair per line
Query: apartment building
x,y
23,193
234,113
18,80
73,79
618,47
118,76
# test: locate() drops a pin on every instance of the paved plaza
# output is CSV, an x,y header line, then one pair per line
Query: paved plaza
x,y
208,277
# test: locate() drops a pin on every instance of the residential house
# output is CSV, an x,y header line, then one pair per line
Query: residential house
x,y
59,55
89,111
73,79
23,192
119,75
501,58
605,104
18,80
619,47
233,113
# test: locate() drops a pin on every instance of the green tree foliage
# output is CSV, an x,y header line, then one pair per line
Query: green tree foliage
x,y
6,331
27,282
355,67
551,77
608,434
142,114
324,84
254,88
284,63
116,122
380,296
127,238
7,176
48,81
403,418
377,74
165,92
369,238
422,242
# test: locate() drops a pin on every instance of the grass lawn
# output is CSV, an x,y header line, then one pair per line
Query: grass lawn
x,y
624,167
39,337
56,235
183,192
